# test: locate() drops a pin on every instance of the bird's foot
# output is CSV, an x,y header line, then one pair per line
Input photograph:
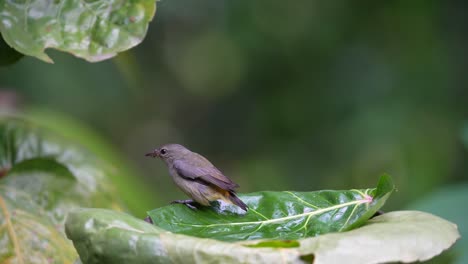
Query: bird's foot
x,y
379,212
148,219
189,203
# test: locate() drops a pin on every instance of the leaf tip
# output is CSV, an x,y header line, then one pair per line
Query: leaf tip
x,y
43,57
384,186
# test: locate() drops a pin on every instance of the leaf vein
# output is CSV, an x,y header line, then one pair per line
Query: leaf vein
x,y
305,225
281,219
250,209
360,192
303,201
256,229
349,217
11,231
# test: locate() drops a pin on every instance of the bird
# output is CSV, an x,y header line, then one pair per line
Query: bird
x,y
197,177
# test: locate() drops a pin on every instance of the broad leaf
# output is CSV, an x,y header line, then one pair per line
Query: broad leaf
x,y
27,233
402,236
42,178
137,196
92,30
56,173
104,236
278,215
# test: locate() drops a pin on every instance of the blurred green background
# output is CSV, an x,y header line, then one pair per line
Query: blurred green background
x,y
304,96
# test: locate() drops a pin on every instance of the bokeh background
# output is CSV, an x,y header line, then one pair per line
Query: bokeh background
x,y
303,96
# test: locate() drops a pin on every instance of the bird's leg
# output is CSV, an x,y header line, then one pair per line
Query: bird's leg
x,y
189,203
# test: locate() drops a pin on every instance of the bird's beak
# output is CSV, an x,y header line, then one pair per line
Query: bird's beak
x,y
153,154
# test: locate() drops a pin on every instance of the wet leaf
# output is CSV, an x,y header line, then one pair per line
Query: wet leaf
x,y
104,236
92,30
278,215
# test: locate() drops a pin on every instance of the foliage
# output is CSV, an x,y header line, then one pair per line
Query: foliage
x,y
104,236
42,178
278,215
29,233
136,196
280,96
92,30
329,94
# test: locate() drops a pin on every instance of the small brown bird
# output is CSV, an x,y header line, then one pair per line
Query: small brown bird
x,y
197,177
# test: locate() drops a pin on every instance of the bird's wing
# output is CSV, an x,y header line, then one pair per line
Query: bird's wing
x,y
207,175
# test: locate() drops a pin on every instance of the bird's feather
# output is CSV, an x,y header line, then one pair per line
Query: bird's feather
x,y
207,175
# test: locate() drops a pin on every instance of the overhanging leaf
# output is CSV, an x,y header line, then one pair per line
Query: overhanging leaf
x,y
92,30
104,236
278,215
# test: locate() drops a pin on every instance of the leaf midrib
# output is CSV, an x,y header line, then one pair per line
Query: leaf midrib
x,y
281,219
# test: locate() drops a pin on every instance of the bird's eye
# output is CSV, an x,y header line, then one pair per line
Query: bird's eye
x,y
163,151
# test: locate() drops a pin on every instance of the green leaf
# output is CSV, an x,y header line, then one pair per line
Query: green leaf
x,y
278,215
136,195
402,236
27,234
57,173
104,236
92,30
42,178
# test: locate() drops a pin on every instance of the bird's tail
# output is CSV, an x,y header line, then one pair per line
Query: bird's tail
x,y
235,200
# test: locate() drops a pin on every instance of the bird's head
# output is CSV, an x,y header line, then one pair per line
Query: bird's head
x,y
169,152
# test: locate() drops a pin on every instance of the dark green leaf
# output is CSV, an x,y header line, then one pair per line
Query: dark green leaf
x,y
278,215
104,236
92,30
